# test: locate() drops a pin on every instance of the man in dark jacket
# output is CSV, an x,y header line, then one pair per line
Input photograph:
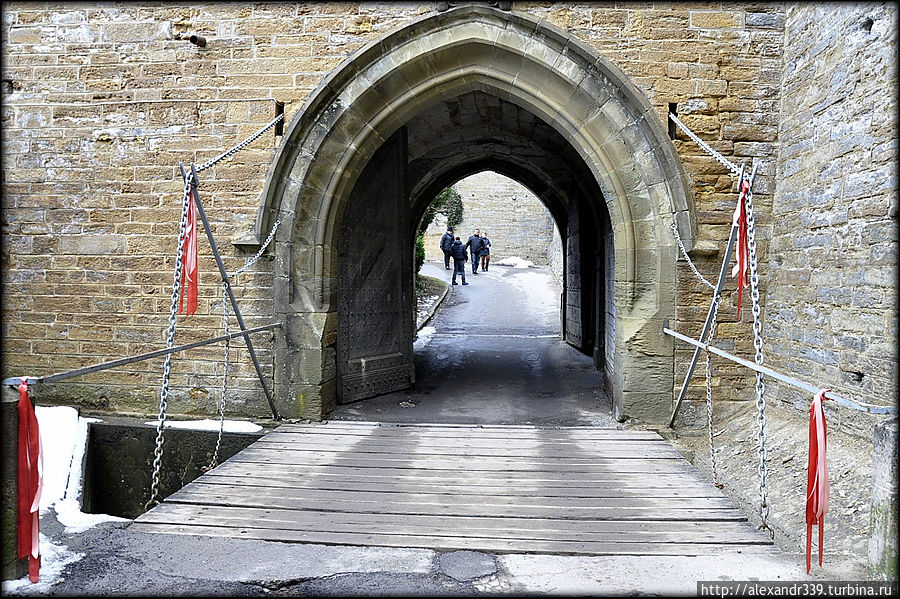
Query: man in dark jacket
x,y
459,260
475,244
446,242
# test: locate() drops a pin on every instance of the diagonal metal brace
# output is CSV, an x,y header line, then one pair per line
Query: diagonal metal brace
x,y
718,291
227,284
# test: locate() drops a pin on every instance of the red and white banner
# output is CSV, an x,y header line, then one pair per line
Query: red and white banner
x,y
817,478
742,248
190,275
29,483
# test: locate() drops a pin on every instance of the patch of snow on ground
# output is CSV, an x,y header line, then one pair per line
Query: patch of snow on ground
x,y
539,291
426,303
54,559
423,337
515,262
63,444
231,426
58,427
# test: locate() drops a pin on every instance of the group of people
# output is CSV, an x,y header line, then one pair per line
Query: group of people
x,y
453,247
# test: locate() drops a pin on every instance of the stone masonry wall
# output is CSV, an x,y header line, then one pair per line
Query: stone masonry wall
x,y
101,102
833,274
514,219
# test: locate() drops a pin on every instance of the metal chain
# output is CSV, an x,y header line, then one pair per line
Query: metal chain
x,y
215,459
718,157
688,258
173,311
259,254
709,406
762,451
170,340
240,146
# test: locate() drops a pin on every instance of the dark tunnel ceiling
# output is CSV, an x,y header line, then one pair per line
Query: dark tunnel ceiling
x,y
478,131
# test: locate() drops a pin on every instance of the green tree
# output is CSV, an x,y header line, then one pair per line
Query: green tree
x,y
420,252
447,203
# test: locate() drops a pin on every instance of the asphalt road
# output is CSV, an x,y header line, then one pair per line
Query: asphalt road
x,y
493,354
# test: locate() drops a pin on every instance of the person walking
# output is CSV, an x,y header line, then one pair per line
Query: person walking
x,y
485,252
446,243
459,260
475,246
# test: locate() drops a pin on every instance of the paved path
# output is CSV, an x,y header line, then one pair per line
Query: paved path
x,y
493,354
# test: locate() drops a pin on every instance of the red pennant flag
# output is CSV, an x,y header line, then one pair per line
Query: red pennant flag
x,y
29,483
190,275
742,249
817,479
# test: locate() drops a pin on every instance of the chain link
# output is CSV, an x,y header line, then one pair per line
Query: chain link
x,y
709,406
688,258
170,341
215,459
762,451
240,146
717,156
259,254
173,311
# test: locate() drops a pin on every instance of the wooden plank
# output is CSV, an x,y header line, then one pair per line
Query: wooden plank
x,y
388,448
509,528
441,521
462,441
473,432
362,424
446,497
537,464
450,544
463,476
460,488
458,508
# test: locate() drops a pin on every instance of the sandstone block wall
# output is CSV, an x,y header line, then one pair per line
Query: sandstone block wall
x,y
832,277
515,220
101,102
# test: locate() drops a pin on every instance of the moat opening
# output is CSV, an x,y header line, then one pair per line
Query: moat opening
x,y
118,462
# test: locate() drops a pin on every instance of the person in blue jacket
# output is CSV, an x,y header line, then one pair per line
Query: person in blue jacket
x,y
474,244
446,242
459,260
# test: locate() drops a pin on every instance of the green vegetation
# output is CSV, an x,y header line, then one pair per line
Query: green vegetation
x,y
447,203
420,251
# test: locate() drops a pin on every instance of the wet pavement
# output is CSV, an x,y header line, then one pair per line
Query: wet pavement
x,y
493,354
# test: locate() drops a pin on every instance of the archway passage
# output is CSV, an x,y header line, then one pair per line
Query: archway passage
x,y
458,92
455,137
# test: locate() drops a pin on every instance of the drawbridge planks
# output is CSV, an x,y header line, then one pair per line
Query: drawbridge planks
x,y
520,489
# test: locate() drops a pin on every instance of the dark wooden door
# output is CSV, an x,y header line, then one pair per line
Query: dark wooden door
x,y
375,320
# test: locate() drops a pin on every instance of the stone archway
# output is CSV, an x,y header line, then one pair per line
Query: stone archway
x,y
607,123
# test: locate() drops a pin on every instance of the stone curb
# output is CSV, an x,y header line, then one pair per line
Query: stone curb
x,y
435,306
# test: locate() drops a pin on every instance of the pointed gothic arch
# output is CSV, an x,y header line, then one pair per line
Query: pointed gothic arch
x,y
607,122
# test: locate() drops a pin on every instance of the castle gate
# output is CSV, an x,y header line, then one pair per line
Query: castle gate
x,y
452,94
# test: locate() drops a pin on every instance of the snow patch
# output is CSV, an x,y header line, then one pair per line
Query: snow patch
x,y
423,337
516,262
231,426
54,559
63,445
539,295
64,437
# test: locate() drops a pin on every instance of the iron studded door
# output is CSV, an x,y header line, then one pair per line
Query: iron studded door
x,y
374,343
